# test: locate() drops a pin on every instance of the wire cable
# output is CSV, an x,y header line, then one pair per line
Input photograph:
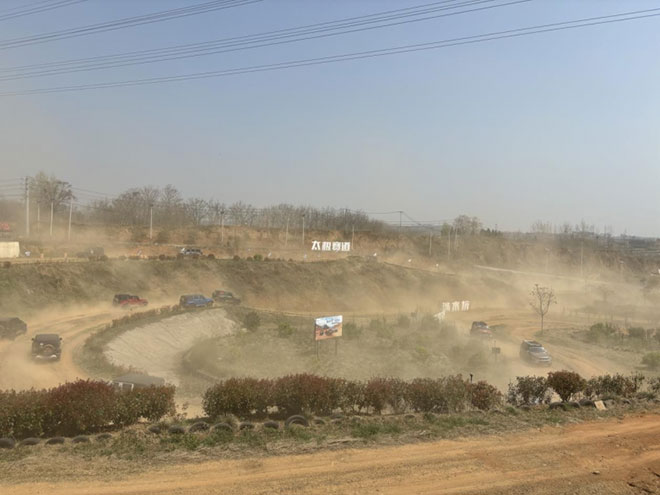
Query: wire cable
x,y
304,33
482,38
50,5
103,27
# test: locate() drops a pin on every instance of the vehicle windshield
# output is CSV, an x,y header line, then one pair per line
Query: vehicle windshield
x,y
537,349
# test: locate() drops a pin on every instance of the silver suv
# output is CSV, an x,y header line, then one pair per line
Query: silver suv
x,y
534,352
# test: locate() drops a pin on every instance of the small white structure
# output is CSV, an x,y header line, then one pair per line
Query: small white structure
x,y
10,249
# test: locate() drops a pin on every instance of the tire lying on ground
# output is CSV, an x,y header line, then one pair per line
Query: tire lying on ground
x,y
557,405
103,436
246,425
199,426
319,421
296,419
176,430
587,403
273,425
31,441
55,441
573,404
7,443
156,429
222,427
80,439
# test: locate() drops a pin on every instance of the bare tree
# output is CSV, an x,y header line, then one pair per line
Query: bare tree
x,y
541,300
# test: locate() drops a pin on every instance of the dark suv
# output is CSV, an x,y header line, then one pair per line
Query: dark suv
x,y
224,296
10,328
47,346
534,352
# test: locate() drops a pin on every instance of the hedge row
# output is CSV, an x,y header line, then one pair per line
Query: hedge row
x,y
79,407
570,385
306,393
149,313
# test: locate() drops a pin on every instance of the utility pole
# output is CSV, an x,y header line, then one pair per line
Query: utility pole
x,y
222,226
352,236
449,243
38,218
70,215
286,232
430,243
27,206
303,230
582,259
400,220
52,205
151,221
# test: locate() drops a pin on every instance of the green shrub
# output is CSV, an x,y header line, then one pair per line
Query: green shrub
x,y
385,392
527,390
258,257
285,330
619,385
297,394
252,321
427,395
351,330
484,396
601,331
403,322
651,360
637,333
240,396
566,383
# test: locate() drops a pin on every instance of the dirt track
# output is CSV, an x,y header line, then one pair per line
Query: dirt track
x,y
617,457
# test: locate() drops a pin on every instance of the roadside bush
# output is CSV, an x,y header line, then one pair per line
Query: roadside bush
x,y
258,257
566,383
252,321
351,331
601,331
296,394
79,407
654,385
426,395
403,321
527,390
484,396
351,399
155,402
163,237
637,333
651,360
23,414
239,396
619,385
457,391
285,330
385,392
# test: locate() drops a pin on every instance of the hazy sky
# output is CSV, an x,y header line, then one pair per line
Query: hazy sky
x,y
559,127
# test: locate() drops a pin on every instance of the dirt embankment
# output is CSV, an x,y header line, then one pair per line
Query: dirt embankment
x,y
340,285
157,348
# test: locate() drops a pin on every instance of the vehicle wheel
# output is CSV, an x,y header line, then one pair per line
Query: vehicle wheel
x,y
155,429
7,443
199,426
30,441
176,430
55,441
296,419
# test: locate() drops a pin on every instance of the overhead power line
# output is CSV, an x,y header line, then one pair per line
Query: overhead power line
x,y
30,9
284,36
165,15
481,38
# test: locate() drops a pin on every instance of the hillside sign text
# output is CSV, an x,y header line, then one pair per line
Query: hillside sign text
x,y
330,246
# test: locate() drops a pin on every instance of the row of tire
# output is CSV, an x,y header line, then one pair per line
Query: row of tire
x,y
200,426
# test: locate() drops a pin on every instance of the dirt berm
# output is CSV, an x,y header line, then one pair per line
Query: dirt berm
x,y
341,285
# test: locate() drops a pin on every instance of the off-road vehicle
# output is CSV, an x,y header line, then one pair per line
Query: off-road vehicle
x,y
224,296
10,328
128,301
47,347
132,381
534,352
189,252
195,301
481,329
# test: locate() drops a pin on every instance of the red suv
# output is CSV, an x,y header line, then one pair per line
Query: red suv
x,y
128,301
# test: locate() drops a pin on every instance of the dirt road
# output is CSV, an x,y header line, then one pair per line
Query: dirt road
x,y
613,457
17,369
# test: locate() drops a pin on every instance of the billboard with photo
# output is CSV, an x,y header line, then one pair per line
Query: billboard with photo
x,y
327,327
